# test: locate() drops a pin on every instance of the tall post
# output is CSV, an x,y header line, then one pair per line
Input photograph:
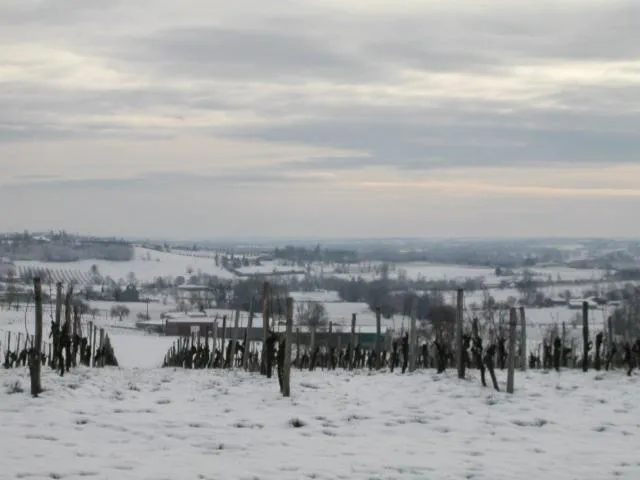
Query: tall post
x,y
298,361
265,325
58,322
214,340
77,324
58,303
93,346
35,361
286,368
101,346
89,343
222,341
563,357
523,340
352,348
247,343
609,335
459,332
234,339
312,340
68,327
585,336
413,334
511,365
378,343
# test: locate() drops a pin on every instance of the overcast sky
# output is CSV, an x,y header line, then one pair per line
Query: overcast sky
x,y
327,118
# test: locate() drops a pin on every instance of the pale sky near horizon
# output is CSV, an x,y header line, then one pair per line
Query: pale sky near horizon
x,y
359,118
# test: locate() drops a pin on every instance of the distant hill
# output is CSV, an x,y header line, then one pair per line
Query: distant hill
x,y
63,248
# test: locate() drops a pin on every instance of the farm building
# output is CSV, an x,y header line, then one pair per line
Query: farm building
x,y
576,304
184,325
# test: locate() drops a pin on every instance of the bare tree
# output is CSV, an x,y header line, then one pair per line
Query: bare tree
x,y
120,311
312,314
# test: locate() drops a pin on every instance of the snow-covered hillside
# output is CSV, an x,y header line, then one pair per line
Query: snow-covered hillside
x,y
133,424
146,265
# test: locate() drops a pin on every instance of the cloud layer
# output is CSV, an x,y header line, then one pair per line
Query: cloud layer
x,y
366,110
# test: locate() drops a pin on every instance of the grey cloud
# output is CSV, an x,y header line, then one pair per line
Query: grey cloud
x,y
254,55
525,139
511,34
60,12
38,113
30,131
158,180
594,126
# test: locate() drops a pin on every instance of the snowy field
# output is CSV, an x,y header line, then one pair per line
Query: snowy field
x,y
149,264
434,271
177,424
146,265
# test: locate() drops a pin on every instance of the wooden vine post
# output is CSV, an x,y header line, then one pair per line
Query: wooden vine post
x,y
585,336
245,354
378,344
459,333
286,368
265,326
352,348
35,362
234,340
223,339
511,360
523,340
413,334
101,349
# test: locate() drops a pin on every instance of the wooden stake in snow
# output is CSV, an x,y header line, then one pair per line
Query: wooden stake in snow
x,y
585,336
298,360
247,343
312,345
378,344
214,340
459,332
413,334
511,360
101,347
352,348
286,369
223,339
93,346
34,359
89,337
563,355
265,326
58,304
234,340
523,340
67,329
609,335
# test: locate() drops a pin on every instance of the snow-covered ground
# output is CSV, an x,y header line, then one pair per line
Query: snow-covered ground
x,y
434,271
179,424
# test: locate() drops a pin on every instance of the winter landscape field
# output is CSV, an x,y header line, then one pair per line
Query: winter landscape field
x,y
141,421
151,423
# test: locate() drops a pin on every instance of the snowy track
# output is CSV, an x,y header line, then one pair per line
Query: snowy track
x,y
164,424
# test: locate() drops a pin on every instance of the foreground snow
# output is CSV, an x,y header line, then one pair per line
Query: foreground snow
x,y
176,424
